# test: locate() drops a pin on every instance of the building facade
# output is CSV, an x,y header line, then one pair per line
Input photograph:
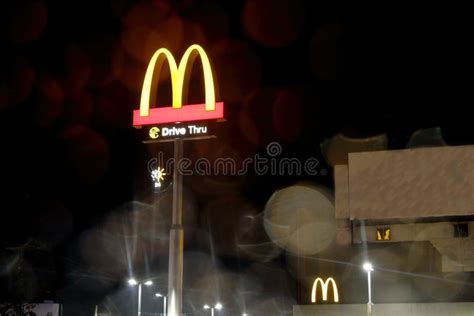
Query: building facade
x,y
409,212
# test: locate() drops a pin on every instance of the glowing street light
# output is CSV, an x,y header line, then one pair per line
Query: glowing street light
x,y
368,267
164,302
134,282
218,306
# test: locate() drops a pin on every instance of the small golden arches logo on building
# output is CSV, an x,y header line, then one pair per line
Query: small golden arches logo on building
x,y
384,234
324,289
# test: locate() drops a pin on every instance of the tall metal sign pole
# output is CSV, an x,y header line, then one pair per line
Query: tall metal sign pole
x,y
369,268
177,123
175,276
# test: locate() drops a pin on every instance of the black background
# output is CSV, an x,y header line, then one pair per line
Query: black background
x,y
399,67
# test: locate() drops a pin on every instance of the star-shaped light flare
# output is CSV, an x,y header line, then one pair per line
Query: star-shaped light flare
x,y
157,175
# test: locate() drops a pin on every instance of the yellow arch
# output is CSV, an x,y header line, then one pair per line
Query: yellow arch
x,y
324,288
192,52
178,77
146,89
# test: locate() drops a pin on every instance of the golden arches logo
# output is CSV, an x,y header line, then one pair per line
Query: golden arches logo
x,y
324,289
383,234
179,83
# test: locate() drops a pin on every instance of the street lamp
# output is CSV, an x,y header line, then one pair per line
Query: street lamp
x,y
218,306
369,268
164,302
134,282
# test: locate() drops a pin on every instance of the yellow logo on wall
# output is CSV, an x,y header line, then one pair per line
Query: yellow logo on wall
x,y
324,289
384,234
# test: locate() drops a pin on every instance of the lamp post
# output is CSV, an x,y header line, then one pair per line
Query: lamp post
x,y
164,302
369,268
175,261
218,306
134,282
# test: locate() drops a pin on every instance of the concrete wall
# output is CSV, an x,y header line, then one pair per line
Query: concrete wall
x,y
401,186
341,184
412,183
418,309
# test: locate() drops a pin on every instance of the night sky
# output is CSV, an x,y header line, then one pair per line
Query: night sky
x,y
291,72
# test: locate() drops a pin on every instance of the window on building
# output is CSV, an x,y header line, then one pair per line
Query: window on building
x,y
461,230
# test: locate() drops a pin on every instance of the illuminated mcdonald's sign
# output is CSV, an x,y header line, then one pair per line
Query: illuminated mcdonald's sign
x,y
324,289
179,82
384,234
